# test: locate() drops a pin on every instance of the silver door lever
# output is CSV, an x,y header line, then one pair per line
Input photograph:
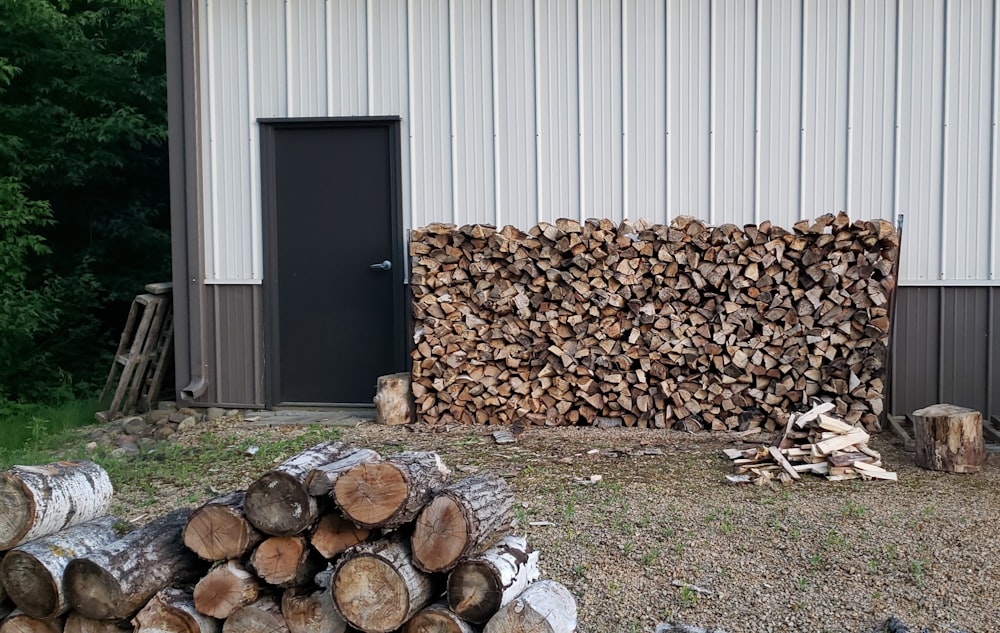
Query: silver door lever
x,y
383,265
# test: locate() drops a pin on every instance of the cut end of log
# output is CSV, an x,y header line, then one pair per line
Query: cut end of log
x,y
94,592
334,534
225,589
17,511
441,535
18,622
371,494
279,504
216,533
279,559
34,591
473,592
380,603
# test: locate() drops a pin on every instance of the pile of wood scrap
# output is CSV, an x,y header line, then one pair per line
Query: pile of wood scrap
x,y
812,442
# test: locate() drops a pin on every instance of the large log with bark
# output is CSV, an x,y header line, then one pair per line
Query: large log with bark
x,y
544,607
308,610
949,438
682,325
34,570
480,586
322,479
76,623
172,610
376,587
286,561
225,589
219,529
20,622
437,618
334,534
464,518
390,493
278,502
116,581
261,616
40,500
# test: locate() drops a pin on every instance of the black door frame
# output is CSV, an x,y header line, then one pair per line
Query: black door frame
x,y
269,211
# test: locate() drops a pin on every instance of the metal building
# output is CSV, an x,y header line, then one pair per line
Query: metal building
x,y
308,135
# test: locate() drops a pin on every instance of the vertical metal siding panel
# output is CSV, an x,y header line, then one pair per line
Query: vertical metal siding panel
x,y
268,59
237,378
824,113
733,128
206,78
601,98
915,361
873,77
964,336
307,58
516,68
645,116
431,109
346,57
921,135
993,356
689,79
390,81
473,88
969,72
781,114
558,105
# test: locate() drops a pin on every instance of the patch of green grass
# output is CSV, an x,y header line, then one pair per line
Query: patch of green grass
x,y
28,430
853,509
917,569
836,540
650,557
688,597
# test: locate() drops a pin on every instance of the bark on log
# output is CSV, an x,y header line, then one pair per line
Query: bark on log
x,y
262,616
949,438
480,586
286,561
335,534
40,500
390,493
544,607
321,480
20,622
464,518
437,618
393,399
3,590
219,530
6,608
172,611
377,588
34,570
116,581
76,623
311,611
225,589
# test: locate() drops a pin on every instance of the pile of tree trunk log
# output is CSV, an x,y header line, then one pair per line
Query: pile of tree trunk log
x,y
685,326
812,442
333,540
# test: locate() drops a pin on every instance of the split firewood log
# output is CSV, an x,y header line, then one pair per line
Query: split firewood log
x,y
437,618
308,610
393,401
286,561
377,588
116,581
278,502
390,493
333,534
321,480
463,518
172,611
225,589
480,586
34,570
544,607
40,500
219,529
260,616
20,622
76,623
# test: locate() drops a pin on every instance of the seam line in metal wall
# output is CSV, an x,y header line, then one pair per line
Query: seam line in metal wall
x,y
623,36
212,144
289,103
944,147
538,129
579,110
495,100
256,257
666,110
802,111
897,132
452,97
409,108
369,56
328,71
994,150
756,110
711,112
941,345
849,132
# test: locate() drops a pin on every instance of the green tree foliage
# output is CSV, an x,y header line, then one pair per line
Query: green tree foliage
x,y
83,183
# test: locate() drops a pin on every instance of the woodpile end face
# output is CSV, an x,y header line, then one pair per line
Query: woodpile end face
x,y
682,325
387,544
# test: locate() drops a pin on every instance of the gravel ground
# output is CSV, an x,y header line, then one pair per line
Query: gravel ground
x,y
621,515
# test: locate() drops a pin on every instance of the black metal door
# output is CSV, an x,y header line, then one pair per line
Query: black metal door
x,y
332,258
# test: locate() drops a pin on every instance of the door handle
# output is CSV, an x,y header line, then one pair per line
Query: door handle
x,y
383,265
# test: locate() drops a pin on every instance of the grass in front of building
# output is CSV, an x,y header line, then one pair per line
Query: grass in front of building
x,y
28,429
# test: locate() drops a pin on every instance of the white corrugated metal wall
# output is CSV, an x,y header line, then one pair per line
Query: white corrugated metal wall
x,y
516,111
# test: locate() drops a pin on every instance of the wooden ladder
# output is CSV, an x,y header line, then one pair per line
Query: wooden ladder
x,y
143,355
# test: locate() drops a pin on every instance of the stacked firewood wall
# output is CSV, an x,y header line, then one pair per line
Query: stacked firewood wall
x,y
681,325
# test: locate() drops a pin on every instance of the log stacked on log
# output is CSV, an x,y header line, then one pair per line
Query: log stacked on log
x,y
812,442
683,325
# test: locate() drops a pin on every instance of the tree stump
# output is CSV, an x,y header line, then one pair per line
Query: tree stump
x,y
544,607
949,438
219,530
173,611
225,589
40,500
480,586
390,493
393,401
33,571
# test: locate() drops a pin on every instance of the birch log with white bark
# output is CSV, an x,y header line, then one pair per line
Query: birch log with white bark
x,y
219,529
172,611
116,581
225,589
544,607
480,586
20,622
76,623
392,492
279,503
40,500
321,480
34,570
308,610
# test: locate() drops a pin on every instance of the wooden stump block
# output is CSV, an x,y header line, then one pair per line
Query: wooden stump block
x,y
393,400
949,438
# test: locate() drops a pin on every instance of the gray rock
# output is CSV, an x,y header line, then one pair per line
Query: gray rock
x,y
158,415
135,425
186,424
608,423
232,412
166,405
163,434
671,627
90,447
215,413
147,444
188,411
177,416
